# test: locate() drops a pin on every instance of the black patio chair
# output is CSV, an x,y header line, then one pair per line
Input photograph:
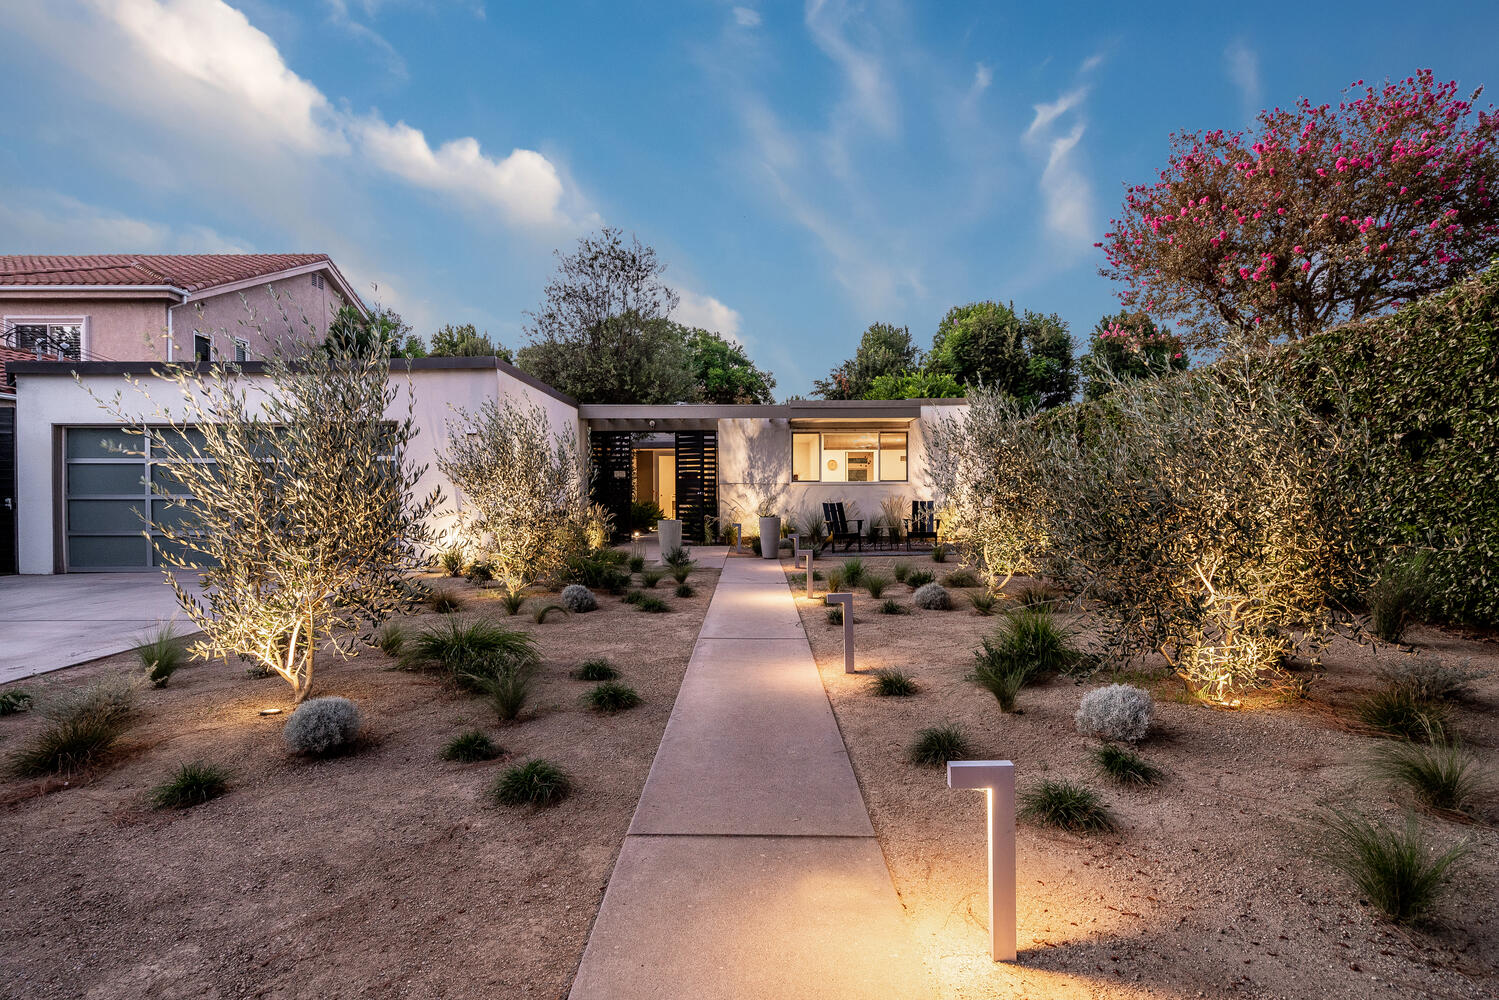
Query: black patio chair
x,y
922,525
838,531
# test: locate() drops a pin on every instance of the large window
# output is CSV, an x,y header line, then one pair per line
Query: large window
x,y
848,457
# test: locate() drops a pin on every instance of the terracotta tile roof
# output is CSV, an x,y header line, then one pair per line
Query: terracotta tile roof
x,y
11,354
191,272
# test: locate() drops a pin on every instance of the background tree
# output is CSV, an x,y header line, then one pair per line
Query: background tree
x,y
915,385
526,490
382,329
1318,215
466,342
1128,346
1027,356
624,359
724,373
304,519
883,350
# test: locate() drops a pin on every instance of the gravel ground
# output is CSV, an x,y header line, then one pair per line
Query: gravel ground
x,y
1207,888
383,873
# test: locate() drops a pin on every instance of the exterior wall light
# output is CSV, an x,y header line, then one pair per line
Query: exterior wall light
x,y
997,780
847,600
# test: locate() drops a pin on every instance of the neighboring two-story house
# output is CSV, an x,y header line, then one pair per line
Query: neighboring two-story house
x,y
165,307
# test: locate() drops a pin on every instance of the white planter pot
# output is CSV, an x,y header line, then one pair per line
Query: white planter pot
x,y
770,537
669,533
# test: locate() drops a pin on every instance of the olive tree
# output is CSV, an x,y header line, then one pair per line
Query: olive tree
x,y
292,493
525,491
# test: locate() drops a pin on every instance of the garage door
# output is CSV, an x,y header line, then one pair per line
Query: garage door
x,y
108,499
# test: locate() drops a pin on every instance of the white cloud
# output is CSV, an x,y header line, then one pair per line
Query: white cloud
x,y
1091,63
871,97
524,186
1243,68
746,17
202,70
48,222
338,14
982,77
705,311
1066,194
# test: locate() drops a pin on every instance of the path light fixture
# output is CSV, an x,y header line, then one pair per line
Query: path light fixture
x,y
847,600
795,544
738,536
809,574
997,780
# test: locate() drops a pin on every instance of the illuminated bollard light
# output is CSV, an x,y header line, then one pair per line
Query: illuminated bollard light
x,y
738,536
795,542
847,600
809,574
997,780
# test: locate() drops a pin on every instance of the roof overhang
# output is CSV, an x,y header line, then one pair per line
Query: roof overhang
x,y
862,414
95,292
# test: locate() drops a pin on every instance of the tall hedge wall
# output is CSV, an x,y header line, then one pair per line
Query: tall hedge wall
x,y
1426,378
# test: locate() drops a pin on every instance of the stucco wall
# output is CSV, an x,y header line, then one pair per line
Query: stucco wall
x,y
115,329
288,309
47,402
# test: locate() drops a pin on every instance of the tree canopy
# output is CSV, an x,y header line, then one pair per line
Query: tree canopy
x,y
884,349
1128,346
724,373
465,342
1315,216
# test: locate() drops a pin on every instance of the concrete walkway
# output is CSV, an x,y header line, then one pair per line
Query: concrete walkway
x,y
51,622
751,869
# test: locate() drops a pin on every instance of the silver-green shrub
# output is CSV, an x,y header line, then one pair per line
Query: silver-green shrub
x,y
932,597
1118,713
578,598
322,725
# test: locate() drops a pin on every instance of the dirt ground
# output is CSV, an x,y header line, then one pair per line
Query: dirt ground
x,y
382,873
1207,889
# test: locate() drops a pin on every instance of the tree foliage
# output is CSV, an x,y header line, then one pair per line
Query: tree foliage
x,y
723,373
1316,216
1028,356
465,341
381,329
304,518
1128,346
883,350
526,491
915,385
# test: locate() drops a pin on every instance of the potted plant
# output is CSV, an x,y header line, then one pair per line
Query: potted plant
x,y
770,529
669,534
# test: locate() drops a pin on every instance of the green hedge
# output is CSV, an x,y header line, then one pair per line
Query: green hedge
x,y
1426,378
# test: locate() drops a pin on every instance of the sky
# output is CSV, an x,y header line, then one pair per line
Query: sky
x,y
804,169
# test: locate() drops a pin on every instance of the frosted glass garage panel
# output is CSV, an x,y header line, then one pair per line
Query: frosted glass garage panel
x,y
103,442
106,516
105,479
107,552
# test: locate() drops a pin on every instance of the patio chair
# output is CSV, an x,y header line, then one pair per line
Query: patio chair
x,y
838,531
922,525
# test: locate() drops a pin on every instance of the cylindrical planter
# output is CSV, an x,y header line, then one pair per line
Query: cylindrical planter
x,y
770,537
669,533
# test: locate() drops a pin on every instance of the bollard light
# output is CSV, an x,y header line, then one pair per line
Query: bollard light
x,y
809,574
738,536
997,780
847,600
795,541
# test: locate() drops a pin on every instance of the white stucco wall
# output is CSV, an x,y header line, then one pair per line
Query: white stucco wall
x,y
46,403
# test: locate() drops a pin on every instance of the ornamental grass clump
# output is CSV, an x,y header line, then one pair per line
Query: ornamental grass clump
x,y
901,571
1431,678
596,670
505,685
889,682
681,573
853,571
875,584
936,745
470,747
1442,777
541,611
82,726
1396,868
535,783
999,671
1034,595
612,696
1064,805
834,614
960,578
1398,597
192,784
890,606
461,647
678,557
636,563
322,726
1123,767
443,601
512,601
479,573
651,577
578,599
1033,636
1400,712
651,604
835,581
391,639
983,603
160,655
685,590
450,560
1116,713
932,597
939,552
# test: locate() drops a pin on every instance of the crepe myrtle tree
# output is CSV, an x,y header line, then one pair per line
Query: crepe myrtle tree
x,y
292,494
1319,214
1129,346
525,488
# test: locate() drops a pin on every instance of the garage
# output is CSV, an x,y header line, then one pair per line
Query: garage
x,y
108,472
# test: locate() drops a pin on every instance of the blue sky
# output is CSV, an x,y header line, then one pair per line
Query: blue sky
x,y
804,169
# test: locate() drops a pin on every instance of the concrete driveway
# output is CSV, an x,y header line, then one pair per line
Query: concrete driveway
x,y
51,622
